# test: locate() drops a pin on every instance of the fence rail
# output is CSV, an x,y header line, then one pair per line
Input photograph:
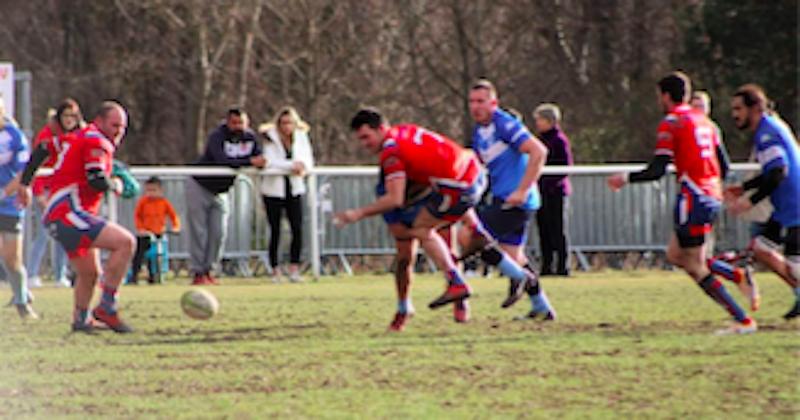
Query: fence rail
x,y
638,218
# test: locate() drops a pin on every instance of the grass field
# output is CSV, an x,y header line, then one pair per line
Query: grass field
x,y
632,344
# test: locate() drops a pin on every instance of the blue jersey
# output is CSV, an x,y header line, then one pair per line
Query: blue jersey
x,y
776,147
14,154
498,144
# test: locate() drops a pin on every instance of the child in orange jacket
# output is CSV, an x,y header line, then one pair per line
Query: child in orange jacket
x,y
150,216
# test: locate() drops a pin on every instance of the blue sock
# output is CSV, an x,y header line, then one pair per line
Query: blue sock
x,y
540,303
454,277
80,316
510,268
797,292
108,300
724,269
19,285
404,306
719,294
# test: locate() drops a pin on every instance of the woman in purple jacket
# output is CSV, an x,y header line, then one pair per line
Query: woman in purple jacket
x,y
554,189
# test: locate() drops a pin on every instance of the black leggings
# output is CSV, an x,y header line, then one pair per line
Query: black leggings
x,y
294,212
552,221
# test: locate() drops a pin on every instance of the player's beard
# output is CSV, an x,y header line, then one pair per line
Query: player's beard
x,y
744,125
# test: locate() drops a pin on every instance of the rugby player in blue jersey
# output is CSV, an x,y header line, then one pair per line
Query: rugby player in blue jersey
x,y
14,155
514,159
778,155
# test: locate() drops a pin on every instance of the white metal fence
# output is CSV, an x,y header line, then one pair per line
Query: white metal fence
x,y
638,218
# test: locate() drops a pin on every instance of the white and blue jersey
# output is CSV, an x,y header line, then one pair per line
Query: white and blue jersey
x,y
14,154
498,144
776,147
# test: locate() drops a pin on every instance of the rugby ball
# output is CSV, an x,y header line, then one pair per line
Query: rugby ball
x,y
199,304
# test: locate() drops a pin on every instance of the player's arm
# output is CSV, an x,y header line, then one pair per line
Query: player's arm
x,y
95,157
38,157
537,156
654,170
394,197
98,180
724,161
657,166
765,183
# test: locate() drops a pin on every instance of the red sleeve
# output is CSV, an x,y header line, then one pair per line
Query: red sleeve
x,y
96,153
44,135
392,165
665,141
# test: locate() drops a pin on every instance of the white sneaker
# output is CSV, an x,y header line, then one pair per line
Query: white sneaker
x,y
739,328
34,282
63,282
295,277
470,274
275,277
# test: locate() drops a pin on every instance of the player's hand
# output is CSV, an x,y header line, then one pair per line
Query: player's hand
x,y
617,181
732,192
258,161
516,198
346,217
175,231
117,186
740,205
23,195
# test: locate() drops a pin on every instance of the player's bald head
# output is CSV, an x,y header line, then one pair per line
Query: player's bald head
x,y
112,120
109,107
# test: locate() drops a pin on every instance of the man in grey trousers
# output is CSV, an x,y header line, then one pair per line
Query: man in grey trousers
x,y
231,144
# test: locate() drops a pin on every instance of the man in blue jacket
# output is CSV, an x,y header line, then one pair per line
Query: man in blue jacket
x,y
231,144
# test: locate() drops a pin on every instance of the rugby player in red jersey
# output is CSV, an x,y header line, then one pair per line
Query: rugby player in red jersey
x,y
689,139
81,176
412,154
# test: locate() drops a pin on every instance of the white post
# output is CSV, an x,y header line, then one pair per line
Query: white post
x,y
313,204
113,208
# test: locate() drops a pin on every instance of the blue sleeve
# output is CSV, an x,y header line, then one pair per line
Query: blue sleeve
x,y
21,152
513,132
770,152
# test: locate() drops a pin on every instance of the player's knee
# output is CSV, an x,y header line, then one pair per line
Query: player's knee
x,y
762,245
404,264
675,258
491,255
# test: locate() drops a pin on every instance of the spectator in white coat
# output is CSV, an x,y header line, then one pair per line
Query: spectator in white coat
x,y
287,147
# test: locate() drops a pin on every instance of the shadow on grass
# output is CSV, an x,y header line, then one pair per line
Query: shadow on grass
x,y
207,336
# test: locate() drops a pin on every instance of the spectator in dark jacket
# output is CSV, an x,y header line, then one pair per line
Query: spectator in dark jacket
x,y
231,144
555,190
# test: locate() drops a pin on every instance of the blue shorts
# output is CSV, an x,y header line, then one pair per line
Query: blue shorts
x,y
694,215
74,228
404,215
508,225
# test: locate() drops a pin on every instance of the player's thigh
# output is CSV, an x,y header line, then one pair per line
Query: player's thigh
x,y
426,221
674,251
115,237
400,231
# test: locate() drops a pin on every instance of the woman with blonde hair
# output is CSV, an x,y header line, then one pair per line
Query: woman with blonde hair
x,y
287,147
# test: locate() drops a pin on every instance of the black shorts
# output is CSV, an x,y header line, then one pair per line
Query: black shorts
x,y
10,224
